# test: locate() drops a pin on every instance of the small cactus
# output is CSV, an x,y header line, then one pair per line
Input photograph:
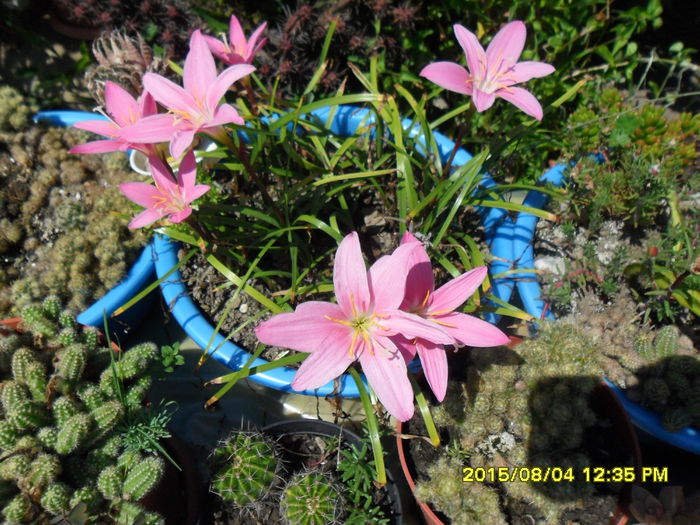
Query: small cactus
x,y
247,469
311,498
72,433
142,478
109,482
56,499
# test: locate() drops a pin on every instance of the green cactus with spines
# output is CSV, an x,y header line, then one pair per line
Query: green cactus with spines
x,y
28,415
36,381
676,419
87,495
67,336
18,510
90,337
8,434
666,341
72,434
136,393
246,468
143,477
56,499
59,459
129,513
109,482
67,320
15,467
51,307
92,396
108,416
8,345
21,361
311,498
43,470
108,382
63,409
678,383
13,395
136,360
35,319
72,362
47,436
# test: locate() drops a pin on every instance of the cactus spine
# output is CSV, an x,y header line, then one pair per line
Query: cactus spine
x,y
311,498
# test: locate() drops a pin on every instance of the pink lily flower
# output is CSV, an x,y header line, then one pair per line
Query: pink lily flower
x,y
358,327
196,107
125,111
168,196
437,306
492,73
237,50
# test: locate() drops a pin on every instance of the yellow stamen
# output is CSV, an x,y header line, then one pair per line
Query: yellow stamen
x,y
443,323
352,306
439,312
339,321
368,342
425,300
352,344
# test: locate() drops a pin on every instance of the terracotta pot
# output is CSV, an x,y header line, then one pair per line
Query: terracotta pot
x,y
621,422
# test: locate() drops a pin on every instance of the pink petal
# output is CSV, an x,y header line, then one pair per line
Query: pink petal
x,y
253,45
169,94
181,141
200,69
236,35
449,76
472,331
412,325
387,277
147,105
331,360
523,100
476,59
305,329
217,48
121,105
162,174
180,216
386,373
187,172
452,295
101,127
196,192
97,146
433,359
407,347
141,193
350,277
149,130
146,217
217,89
524,71
419,280
225,114
482,100
506,47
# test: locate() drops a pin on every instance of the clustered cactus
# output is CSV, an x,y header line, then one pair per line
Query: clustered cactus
x,y
60,412
657,367
63,222
246,478
529,406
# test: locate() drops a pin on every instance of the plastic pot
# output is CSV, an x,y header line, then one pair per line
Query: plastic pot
x,y
624,431
325,429
347,121
141,273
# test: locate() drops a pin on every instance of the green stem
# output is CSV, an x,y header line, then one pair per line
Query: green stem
x,y
372,427
425,413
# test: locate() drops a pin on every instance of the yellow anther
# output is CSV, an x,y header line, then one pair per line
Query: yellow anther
x,y
339,321
351,351
425,299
